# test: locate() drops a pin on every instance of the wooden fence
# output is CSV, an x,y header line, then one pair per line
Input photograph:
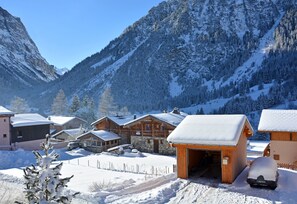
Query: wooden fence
x,y
123,167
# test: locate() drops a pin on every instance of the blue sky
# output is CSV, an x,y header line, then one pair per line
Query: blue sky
x,y
68,31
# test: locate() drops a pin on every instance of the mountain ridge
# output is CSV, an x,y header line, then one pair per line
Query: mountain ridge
x,y
178,53
21,64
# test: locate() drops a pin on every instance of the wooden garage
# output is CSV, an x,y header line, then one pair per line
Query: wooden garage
x,y
212,145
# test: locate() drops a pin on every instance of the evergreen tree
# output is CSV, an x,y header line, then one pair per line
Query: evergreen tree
x,y
124,111
59,106
43,182
200,111
75,105
87,110
19,105
106,104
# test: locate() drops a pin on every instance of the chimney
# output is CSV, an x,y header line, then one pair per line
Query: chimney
x,y
134,116
176,111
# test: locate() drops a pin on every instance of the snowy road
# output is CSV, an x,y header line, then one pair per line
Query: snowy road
x,y
204,191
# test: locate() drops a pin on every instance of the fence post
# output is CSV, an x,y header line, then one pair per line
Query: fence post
x,y
77,161
153,170
88,162
124,168
137,168
98,164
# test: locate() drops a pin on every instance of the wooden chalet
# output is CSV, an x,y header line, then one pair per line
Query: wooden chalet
x,y
282,129
149,132
5,130
28,130
64,122
115,124
98,140
69,134
212,146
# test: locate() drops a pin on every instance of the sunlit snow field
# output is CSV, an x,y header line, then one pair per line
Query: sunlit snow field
x,y
147,179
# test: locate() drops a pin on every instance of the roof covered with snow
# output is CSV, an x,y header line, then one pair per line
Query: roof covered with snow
x,y
4,111
71,132
171,118
103,135
61,120
29,119
120,120
278,120
210,130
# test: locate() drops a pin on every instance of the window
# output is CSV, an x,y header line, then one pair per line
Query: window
x,y
4,120
107,143
103,143
148,141
161,141
147,127
19,134
4,135
276,156
111,142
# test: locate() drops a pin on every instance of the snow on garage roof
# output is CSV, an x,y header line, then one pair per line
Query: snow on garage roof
x,y
102,134
4,111
28,119
278,120
210,130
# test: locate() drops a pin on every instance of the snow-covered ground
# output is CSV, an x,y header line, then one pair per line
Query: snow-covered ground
x,y
117,186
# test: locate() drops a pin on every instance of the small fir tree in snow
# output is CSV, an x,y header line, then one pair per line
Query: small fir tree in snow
x,y
43,182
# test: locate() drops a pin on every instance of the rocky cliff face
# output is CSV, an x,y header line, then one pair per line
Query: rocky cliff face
x,y
21,64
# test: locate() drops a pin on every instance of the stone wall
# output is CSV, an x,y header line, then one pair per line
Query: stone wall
x,y
165,148
146,144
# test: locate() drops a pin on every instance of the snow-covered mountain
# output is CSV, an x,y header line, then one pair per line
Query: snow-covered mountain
x,y
190,52
21,64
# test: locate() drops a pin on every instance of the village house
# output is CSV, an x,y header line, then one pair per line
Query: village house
x,y
211,145
149,132
28,131
98,140
115,124
282,128
68,134
63,123
5,132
